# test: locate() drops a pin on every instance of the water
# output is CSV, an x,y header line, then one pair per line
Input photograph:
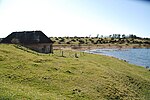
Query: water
x,y
139,57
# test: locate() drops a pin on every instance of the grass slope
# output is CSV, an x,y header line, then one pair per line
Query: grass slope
x,y
28,75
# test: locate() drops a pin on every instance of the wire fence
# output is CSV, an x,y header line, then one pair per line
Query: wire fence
x,y
68,53
59,52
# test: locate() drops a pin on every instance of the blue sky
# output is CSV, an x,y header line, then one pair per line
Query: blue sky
x,y
75,17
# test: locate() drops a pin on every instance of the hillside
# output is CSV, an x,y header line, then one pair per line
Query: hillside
x,y
101,40
25,74
86,43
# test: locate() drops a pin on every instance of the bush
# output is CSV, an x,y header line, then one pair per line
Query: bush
x,y
81,42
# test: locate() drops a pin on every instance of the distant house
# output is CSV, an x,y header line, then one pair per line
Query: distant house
x,y
35,40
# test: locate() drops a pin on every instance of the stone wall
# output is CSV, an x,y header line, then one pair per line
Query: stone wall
x,y
41,47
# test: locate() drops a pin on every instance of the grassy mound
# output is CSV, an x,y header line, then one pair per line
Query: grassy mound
x,y
25,74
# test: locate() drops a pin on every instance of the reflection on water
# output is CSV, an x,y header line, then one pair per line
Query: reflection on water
x,y
139,57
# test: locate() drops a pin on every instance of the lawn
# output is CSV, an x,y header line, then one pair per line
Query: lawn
x,y
25,74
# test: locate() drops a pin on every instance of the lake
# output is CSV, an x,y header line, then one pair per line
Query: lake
x,y
140,57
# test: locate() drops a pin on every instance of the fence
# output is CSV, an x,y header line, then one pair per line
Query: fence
x,y
59,53
68,53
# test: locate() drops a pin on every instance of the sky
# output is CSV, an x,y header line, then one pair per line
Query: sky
x,y
75,17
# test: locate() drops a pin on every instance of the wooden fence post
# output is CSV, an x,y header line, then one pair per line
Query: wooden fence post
x,y
62,54
76,55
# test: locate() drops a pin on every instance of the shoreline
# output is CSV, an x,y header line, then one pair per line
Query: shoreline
x,y
129,61
102,46
106,46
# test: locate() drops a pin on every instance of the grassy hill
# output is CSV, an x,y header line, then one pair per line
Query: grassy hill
x,y
25,74
84,43
101,40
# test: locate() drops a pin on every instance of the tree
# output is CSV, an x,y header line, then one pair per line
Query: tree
x,y
62,40
110,36
132,36
92,41
98,42
118,36
124,36
86,41
73,40
69,42
81,42
97,36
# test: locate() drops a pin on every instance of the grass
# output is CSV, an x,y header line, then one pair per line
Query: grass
x,y
27,75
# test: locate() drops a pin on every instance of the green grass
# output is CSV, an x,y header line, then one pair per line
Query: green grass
x,y
27,75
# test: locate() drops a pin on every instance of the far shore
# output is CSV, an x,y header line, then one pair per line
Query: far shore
x,y
100,46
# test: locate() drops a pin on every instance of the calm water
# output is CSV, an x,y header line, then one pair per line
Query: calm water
x,y
139,57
